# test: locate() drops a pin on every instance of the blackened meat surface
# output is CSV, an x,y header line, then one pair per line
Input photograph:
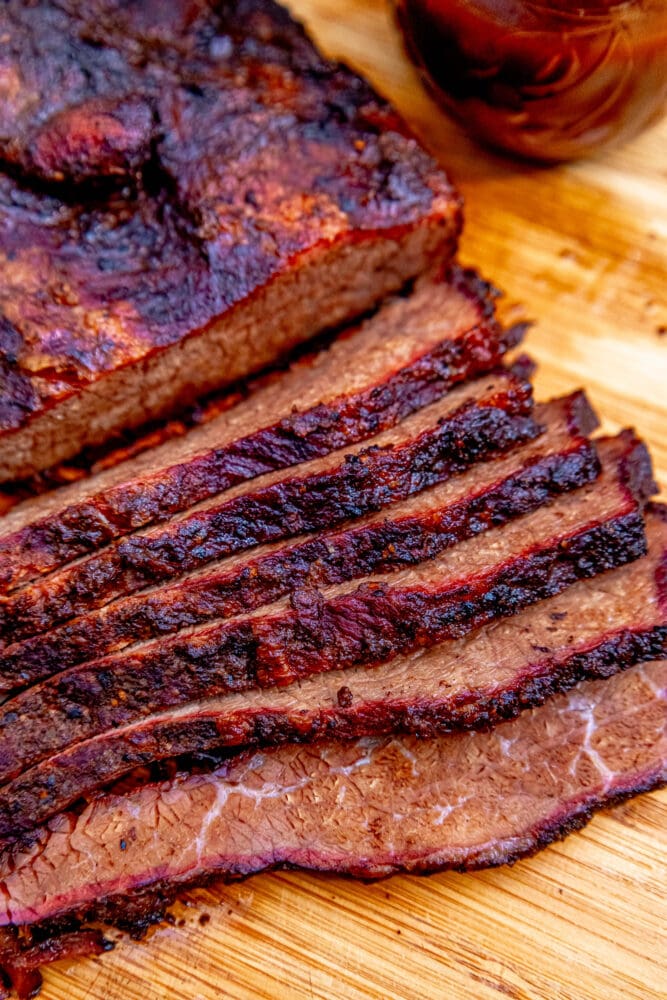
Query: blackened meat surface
x,y
472,422
592,630
493,575
185,182
406,533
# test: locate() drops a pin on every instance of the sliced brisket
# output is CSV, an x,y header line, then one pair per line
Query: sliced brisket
x,y
416,529
472,421
367,551
367,808
594,629
189,190
404,357
497,573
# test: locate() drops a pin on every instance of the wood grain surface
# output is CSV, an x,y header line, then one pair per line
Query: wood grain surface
x,y
583,247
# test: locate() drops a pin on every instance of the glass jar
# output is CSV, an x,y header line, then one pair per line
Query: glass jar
x,y
547,80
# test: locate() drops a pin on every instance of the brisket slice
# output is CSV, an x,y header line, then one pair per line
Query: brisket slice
x,y
440,440
406,356
593,629
416,529
181,205
497,573
369,808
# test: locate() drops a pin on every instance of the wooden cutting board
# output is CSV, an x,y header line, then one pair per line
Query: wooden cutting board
x,y
584,247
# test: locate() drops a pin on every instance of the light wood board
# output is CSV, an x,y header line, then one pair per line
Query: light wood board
x,y
584,248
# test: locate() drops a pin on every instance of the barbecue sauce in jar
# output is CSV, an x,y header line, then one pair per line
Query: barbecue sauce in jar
x,y
547,80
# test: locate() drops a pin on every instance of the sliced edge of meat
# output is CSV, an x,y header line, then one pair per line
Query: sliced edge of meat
x,y
369,808
592,630
485,496
302,207
472,422
496,574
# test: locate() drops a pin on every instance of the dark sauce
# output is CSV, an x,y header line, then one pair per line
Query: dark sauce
x,y
549,81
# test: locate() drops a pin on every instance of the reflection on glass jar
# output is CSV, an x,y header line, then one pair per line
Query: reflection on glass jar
x,y
550,81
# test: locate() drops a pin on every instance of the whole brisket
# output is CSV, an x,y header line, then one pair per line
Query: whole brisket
x,y
406,356
497,573
189,190
592,630
471,422
406,533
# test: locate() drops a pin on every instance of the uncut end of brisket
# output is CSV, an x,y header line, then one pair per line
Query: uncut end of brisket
x,y
210,211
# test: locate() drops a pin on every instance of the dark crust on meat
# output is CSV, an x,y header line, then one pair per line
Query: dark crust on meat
x,y
364,482
40,793
324,560
657,509
366,627
116,178
82,527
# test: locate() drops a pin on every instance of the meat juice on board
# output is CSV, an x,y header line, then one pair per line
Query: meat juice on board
x,y
549,81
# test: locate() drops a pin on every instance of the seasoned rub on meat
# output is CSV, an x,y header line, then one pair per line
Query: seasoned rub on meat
x,y
485,496
593,629
498,573
471,422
